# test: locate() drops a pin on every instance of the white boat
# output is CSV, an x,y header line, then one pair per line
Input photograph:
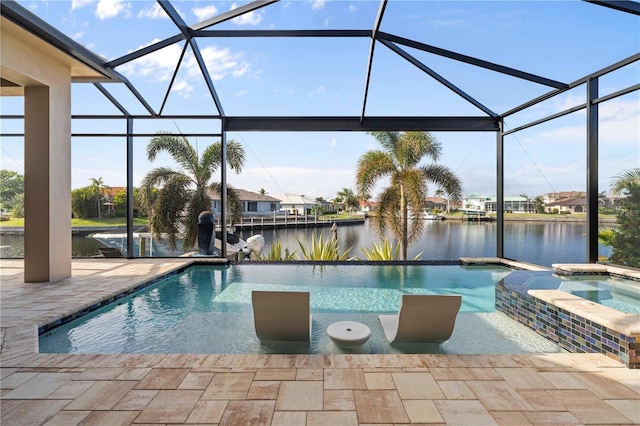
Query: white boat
x,y
429,216
473,212
145,245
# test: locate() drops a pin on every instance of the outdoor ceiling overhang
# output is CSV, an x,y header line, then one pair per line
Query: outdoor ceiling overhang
x,y
85,65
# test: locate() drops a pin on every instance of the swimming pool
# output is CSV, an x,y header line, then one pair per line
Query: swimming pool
x,y
207,309
613,292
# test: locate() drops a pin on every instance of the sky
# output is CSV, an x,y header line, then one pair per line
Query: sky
x,y
559,40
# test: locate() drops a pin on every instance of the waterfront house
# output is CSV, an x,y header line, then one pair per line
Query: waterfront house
x,y
511,204
367,206
326,206
474,202
568,206
297,204
578,205
490,204
253,203
436,203
553,197
109,196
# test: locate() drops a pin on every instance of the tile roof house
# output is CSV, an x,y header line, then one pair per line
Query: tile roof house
x,y
553,197
436,203
577,205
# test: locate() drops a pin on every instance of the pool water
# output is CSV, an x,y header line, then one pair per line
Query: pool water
x,y
207,309
613,292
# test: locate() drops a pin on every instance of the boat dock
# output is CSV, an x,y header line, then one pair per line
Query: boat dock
x,y
276,222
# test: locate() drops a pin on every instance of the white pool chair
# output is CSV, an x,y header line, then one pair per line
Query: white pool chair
x,y
281,315
422,318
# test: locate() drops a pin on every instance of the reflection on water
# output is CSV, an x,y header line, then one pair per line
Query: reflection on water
x,y
542,243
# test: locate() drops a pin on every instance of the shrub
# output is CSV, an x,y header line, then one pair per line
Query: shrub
x,y
626,239
277,253
319,249
384,251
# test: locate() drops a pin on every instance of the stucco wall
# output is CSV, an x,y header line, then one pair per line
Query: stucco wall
x,y
47,92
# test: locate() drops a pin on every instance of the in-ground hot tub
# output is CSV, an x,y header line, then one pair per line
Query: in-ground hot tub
x,y
555,309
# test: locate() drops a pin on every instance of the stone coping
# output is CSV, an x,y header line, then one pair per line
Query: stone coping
x,y
628,324
596,269
502,261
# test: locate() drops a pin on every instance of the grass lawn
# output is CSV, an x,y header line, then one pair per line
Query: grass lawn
x,y
108,221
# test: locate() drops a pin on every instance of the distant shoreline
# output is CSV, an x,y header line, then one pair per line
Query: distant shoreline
x,y
16,230
541,218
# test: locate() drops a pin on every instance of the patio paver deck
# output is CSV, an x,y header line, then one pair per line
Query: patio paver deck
x,y
225,389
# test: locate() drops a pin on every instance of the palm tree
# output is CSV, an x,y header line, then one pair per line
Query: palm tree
x,y
348,199
538,204
175,198
399,161
440,193
97,190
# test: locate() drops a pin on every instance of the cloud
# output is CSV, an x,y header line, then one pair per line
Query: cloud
x,y
204,13
112,8
77,4
220,63
241,92
449,23
159,65
319,89
562,135
77,36
250,18
334,141
317,5
182,87
153,12
618,125
352,8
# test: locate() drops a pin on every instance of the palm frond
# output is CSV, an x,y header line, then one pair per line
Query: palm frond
x,y
372,166
414,146
624,180
178,147
234,206
388,216
212,157
166,216
444,178
388,140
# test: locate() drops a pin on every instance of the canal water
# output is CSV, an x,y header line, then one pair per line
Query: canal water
x,y
542,243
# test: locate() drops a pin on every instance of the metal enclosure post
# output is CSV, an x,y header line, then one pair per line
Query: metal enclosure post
x,y
223,189
129,187
592,170
500,188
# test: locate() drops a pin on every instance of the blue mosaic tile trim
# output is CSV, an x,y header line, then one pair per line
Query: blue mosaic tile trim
x,y
569,331
357,262
626,277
